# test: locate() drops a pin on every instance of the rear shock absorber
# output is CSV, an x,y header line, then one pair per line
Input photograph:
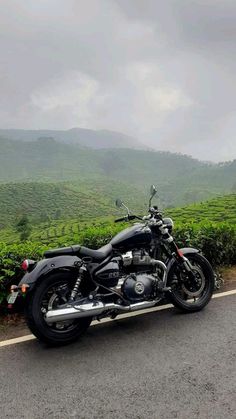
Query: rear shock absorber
x,y
76,288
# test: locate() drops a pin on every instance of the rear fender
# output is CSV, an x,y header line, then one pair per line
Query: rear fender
x,y
47,266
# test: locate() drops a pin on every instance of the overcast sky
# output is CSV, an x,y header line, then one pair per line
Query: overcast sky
x,y
161,71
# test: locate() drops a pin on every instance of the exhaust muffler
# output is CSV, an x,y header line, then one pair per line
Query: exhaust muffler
x,y
92,309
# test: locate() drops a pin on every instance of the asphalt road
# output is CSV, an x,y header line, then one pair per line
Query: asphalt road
x,y
158,365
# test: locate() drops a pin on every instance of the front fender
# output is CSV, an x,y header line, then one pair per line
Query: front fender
x,y
185,251
45,266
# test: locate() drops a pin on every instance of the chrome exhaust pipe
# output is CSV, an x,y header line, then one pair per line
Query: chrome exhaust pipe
x,y
92,309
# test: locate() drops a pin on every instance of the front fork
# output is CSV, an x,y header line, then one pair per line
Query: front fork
x,y
183,263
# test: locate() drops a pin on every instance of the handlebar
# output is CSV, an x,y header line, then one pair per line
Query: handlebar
x,y
120,219
128,218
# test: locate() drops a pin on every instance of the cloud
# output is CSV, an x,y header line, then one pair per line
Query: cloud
x,y
161,71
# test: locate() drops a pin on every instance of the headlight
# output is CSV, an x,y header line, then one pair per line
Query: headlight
x,y
169,223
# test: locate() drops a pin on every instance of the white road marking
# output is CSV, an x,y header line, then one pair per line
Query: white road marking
x,y
121,316
16,340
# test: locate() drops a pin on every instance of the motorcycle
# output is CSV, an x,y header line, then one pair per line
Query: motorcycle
x,y
141,266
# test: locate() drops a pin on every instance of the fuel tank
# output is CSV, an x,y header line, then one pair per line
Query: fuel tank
x,y
132,237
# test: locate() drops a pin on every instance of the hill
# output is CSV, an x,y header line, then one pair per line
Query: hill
x,y
52,201
91,225
84,137
180,178
220,209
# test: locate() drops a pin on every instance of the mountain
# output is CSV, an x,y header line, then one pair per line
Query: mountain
x,y
84,137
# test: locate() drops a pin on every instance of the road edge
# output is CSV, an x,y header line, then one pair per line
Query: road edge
x,y
26,338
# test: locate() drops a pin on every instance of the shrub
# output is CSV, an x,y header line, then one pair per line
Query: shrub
x,y
216,241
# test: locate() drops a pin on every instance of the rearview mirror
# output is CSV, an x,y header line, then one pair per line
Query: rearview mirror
x,y
119,203
153,190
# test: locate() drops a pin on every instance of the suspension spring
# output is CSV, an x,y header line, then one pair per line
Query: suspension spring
x,y
76,288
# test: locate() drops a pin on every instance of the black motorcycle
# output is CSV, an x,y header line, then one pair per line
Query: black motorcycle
x,y
141,266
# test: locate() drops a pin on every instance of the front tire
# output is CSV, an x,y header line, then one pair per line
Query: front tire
x,y
47,293
184,297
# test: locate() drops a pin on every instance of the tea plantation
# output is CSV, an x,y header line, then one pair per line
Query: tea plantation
x,y
210,226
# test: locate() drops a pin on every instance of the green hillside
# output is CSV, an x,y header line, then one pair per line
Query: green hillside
x,y
72,229
180,179
60,232
52,201
220,209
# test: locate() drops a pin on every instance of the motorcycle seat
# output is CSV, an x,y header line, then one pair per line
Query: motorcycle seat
x,y
80,251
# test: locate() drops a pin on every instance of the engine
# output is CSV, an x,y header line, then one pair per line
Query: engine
x,y
136,258
135,276
138,287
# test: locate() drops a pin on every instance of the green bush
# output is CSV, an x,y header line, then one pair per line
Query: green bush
x,y
216,241
11,257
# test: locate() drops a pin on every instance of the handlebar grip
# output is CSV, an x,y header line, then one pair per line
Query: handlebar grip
x,y
119,220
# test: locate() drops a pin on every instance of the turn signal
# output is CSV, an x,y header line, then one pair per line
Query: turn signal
x,y
24,288
180,253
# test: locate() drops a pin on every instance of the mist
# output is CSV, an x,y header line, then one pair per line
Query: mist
x,y
162,72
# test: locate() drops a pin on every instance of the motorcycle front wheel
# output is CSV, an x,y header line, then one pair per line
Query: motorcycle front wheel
x,y
189,296
49,294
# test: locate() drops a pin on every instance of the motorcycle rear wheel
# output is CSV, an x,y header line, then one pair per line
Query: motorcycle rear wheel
x,y
49,292
185,296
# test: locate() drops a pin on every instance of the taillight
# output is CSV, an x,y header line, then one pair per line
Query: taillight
x,y
25,265
28,265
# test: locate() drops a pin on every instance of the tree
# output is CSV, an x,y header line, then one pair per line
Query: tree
x,y
24,228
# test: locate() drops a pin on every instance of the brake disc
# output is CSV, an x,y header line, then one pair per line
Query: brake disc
x,y
188,288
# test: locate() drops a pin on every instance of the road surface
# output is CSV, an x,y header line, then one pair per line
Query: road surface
x,y
158,365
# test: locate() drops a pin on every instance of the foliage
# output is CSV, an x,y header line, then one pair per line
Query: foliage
x,y
222,208
216,240
43,202
23,227
11,257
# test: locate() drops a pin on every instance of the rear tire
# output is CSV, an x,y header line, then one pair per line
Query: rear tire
x,y
181,301
35,317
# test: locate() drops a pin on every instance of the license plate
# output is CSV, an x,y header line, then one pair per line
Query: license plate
x,y
12,297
